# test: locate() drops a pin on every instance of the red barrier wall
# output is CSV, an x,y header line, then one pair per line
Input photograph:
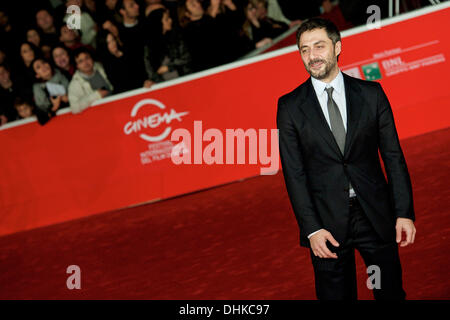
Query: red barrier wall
x,y
78,165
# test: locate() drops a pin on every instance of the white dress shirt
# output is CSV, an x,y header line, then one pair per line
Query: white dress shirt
x,y
338,97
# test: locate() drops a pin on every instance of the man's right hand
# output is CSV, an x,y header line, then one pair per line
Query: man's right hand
x,y
319,247
103,92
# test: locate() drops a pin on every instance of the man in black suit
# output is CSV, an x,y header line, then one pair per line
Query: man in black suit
x,y
331,128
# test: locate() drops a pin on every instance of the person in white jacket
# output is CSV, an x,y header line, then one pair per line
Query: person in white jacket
x,y
89,83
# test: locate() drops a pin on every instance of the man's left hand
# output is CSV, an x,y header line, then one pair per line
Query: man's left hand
x,y
405,225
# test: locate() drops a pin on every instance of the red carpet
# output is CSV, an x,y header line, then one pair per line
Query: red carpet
x,y
238,241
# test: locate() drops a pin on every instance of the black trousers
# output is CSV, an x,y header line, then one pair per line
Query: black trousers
x,y
335,279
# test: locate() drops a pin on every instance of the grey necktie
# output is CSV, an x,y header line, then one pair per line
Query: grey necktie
x,y
337,125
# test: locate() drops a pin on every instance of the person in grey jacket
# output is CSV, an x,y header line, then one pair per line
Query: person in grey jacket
x,y
50,92
89,83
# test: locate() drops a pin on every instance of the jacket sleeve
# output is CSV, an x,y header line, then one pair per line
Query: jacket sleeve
x,y
394,161
78,100
294,173
40,98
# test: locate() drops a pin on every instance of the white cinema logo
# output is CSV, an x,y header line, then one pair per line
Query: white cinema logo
x,y
152,121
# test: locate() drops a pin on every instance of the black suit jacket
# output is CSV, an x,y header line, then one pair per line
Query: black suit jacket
x,y
317,174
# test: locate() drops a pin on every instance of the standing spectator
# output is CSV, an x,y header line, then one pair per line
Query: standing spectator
x,y
71,39
132,32
200,32
300,10
90,7
50,92
151,5
111,12
88,27
258,26
274,12
167,56
122,71
61,59
229,19
333,13
49,31
89,83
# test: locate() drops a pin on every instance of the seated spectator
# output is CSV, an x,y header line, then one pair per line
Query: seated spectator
x,y
88,27
109,27
6,95
25,109
3,57
258,26
10,89
49,32
8,33
200,31
111,12
89,83
28,52
121,69
61,59
50,92
166,56
33,36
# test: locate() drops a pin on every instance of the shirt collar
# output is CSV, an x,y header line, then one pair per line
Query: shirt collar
x,y
337,83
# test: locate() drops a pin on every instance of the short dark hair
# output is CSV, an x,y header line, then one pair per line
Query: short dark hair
x,y
18,101
81,50
319,23
43,60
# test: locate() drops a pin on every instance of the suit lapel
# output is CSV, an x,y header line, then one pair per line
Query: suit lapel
x,y
310,106
354,102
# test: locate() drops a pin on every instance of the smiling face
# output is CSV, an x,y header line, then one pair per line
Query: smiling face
x,y
319,54
61,58
85,63
42,69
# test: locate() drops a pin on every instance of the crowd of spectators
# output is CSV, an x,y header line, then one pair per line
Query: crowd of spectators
x,y
126,44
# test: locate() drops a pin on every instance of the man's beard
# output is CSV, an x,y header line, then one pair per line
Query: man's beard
x,y
321,74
